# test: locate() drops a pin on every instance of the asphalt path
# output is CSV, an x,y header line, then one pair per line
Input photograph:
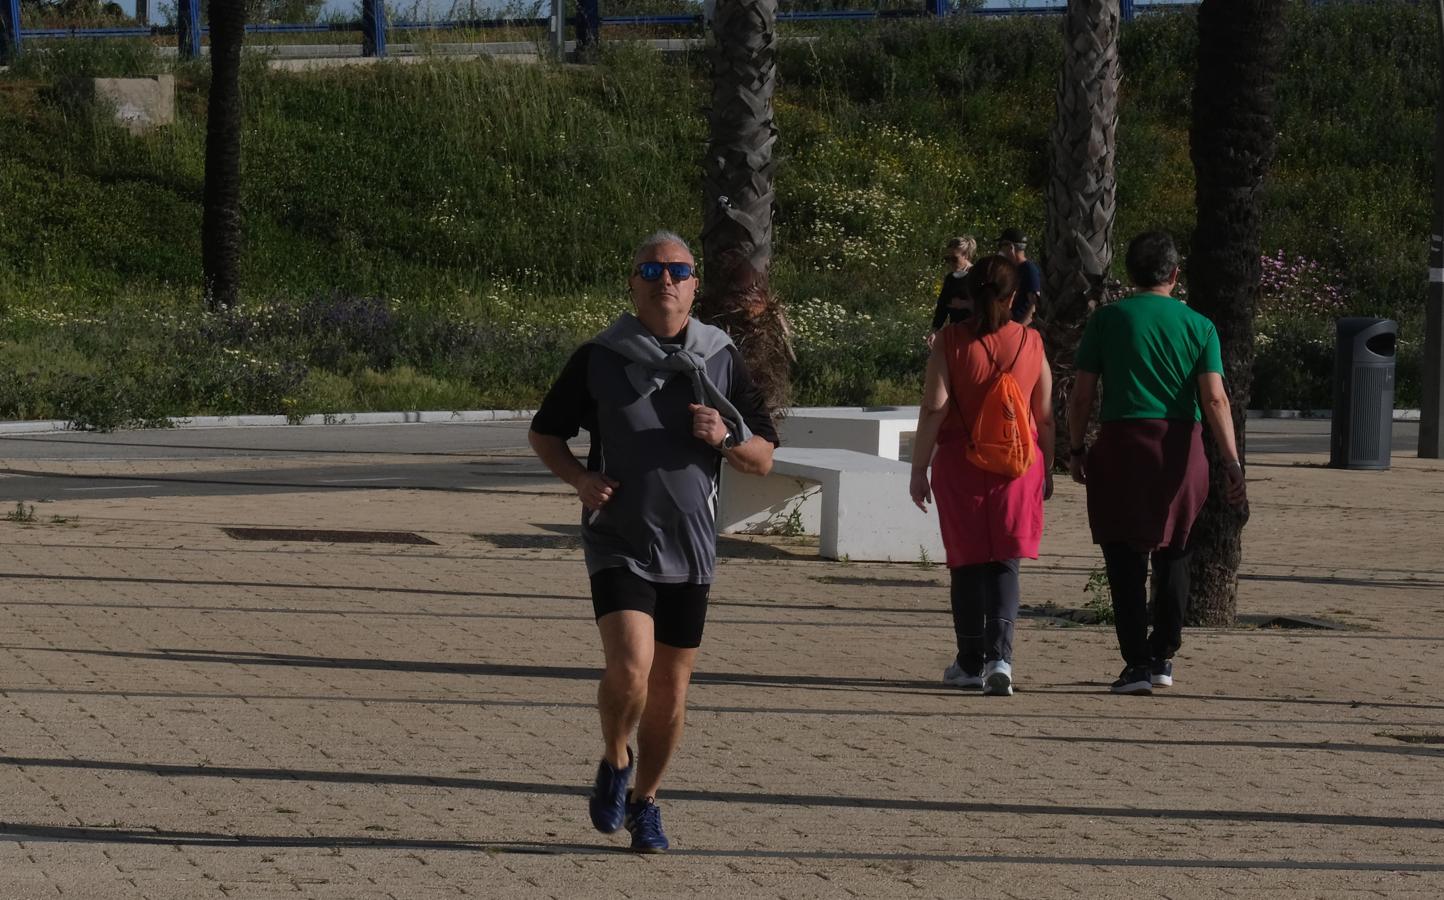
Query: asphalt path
x,y
451,457
461,457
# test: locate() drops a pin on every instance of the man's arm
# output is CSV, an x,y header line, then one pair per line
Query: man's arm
x,y
752,457
1080,411
593,488
1218,412
563,413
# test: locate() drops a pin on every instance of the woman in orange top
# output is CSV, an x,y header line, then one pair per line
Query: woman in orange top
x,y
989,521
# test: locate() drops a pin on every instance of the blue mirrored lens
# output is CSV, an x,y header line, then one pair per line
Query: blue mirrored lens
x,y
651,271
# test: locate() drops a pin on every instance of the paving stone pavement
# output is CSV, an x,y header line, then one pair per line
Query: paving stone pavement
x,y
190,715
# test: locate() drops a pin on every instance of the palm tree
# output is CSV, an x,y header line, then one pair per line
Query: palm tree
x,y
1080,197
737,192
1232,144
9,30
1431,420
221,215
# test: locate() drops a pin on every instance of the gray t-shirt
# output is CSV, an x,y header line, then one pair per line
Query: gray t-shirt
x,y
661,522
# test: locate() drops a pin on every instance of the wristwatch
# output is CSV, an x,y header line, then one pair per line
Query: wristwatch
x,y
727,443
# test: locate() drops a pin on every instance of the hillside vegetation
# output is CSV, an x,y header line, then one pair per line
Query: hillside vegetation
x,y
442,234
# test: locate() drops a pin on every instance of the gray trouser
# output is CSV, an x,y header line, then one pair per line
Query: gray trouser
x,y
985,606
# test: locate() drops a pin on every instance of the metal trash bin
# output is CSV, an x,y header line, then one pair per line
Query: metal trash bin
x,y
1362,431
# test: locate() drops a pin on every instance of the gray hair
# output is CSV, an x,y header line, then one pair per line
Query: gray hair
x,y
658,238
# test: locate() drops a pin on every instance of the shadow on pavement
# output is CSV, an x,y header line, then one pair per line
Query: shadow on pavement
x,y
1393,749
1092,688
496,670
70,833
759,798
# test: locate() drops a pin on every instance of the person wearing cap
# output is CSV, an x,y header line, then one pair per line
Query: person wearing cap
x,y
1013,244
665,399
1147,477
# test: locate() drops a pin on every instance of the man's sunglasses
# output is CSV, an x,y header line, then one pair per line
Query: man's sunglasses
x,y
652,271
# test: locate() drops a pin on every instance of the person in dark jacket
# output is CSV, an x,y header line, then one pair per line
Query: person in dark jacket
x,y
954,305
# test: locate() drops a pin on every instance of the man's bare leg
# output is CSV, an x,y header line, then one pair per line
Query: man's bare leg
x,y
628,643
663,717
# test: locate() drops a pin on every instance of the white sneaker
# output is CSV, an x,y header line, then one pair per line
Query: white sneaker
x,y
955,676
998,679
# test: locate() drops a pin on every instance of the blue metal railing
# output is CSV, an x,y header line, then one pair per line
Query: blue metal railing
x,y
374,27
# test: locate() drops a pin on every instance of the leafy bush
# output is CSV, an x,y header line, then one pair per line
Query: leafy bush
x,y
452,229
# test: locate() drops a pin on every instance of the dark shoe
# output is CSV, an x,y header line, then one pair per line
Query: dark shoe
x,y
1161,673
1134,680
644,821
608,803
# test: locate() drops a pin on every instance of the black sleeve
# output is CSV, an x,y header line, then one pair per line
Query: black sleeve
x,y
940,315
569,406
749,401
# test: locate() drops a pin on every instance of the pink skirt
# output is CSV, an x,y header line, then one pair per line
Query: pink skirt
x,y
986,517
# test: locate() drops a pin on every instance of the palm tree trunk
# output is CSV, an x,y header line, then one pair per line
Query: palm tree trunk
x,y
1232,144
221,214
737,192
1080,197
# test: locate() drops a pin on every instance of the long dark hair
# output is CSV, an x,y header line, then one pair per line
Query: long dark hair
x,y
992,282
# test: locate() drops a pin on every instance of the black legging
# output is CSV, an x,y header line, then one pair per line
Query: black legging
x,y
1128,582
985,606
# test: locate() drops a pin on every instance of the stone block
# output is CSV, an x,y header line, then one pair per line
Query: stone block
x,y
140,103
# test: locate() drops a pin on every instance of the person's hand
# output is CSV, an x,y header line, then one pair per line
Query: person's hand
x,y
1236,487
1048,485
595,490
1076,469
707,424
921,491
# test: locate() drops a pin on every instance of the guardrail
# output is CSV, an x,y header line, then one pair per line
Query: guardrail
x,y
375,28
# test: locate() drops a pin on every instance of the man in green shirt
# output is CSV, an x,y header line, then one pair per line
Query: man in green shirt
x,y
1147,476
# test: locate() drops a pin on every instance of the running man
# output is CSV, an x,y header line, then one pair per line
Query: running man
x,y
665,400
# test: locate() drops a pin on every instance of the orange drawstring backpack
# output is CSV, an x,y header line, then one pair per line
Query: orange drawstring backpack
x,y
1001,438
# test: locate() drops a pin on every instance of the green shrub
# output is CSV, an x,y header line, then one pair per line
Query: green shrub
x,y
448,232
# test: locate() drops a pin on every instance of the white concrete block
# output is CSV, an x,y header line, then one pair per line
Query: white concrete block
x,y
879,431
140,103
864,511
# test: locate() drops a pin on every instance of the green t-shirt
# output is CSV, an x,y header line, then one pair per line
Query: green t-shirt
x,y
1149,350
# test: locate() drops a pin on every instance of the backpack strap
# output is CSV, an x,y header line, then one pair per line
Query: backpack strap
x,y
1022,345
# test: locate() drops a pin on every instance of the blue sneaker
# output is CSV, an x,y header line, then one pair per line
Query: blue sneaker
x,y
644,821
608,803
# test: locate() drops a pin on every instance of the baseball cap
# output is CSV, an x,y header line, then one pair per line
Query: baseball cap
x,y
1013,236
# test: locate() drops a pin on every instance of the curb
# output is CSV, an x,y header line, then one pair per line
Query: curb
x,y
471,416
364,418
1400,415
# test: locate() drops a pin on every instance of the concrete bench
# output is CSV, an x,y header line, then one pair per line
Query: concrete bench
x,y
877,430
856,502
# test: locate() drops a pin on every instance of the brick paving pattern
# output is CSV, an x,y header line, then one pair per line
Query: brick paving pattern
x,y
188,715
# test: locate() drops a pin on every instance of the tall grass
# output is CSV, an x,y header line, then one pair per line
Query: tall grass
x,y
492,205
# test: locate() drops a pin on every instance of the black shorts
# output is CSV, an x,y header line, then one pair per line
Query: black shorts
x,y
678,611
